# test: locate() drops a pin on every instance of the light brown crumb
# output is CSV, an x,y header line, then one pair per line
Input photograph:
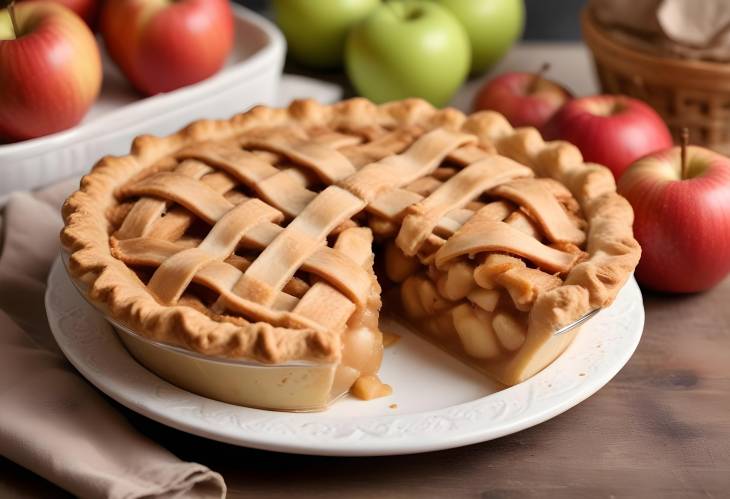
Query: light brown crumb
x,y
393,406
370,387
390,339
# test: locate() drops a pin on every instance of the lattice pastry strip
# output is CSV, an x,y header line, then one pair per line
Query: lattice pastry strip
x,y
145,212
291,243
292,246
173,276
248,283
324,262
280,188
324,303
188,192
328,163
218,276
347,277
391,172
491,236
544,208
384,145
456,192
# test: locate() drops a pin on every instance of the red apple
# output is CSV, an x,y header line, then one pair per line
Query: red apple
x,y
88,10
162,45
525,99
50,70
613,130
682,219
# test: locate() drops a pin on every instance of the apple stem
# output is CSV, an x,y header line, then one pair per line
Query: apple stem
x,y
13,20
684,144
538,76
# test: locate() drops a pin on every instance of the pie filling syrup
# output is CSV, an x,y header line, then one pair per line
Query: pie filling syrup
x,y
273,233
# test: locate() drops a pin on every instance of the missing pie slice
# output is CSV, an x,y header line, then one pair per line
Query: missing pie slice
x,y
254,244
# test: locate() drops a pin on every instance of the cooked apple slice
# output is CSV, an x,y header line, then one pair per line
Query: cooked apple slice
x,y
510,332
410,298
475,331
431,301
398,266
457,283
486,299
370,387
494,265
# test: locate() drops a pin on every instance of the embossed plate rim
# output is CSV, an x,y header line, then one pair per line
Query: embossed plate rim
x,y
581,371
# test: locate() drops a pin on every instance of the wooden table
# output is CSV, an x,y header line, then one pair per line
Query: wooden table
x,y
661,428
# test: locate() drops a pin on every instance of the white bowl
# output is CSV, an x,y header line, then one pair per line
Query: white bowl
x,y
251,77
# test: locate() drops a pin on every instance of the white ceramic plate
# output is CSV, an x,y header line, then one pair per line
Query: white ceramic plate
x,y
440,403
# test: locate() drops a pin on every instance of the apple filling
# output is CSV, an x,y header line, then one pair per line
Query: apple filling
x,y
472,294
477,310
362,353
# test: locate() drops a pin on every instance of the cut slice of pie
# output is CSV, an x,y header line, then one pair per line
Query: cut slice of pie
x,y
254,244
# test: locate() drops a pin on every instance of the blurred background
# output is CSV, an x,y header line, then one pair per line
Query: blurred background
x,y
546,19
530,60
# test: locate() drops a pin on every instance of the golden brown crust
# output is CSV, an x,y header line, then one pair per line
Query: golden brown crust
x,y
612,251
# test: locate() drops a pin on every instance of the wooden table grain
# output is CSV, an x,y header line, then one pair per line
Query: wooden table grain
x,y
660,428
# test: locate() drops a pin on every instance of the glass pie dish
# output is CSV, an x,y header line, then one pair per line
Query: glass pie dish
x,y
294,386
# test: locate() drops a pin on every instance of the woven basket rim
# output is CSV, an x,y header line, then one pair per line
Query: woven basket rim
x,y
596,38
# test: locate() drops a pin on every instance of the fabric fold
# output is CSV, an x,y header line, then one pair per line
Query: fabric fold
x,y
52,421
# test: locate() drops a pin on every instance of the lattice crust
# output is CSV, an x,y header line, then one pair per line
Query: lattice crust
x,y
252,237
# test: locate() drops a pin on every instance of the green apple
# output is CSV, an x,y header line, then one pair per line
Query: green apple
x,y
316,30
405,49
492,26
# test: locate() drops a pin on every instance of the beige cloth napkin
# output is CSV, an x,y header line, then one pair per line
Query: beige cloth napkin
x,y
51,420
693,29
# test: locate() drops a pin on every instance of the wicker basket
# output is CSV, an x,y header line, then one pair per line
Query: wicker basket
x,y
686,93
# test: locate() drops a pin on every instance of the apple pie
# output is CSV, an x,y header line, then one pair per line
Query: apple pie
x,y
268,240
